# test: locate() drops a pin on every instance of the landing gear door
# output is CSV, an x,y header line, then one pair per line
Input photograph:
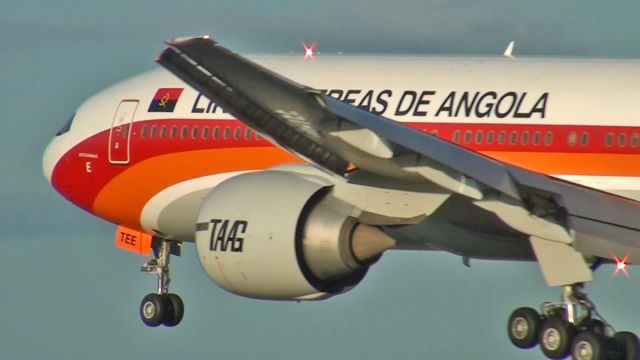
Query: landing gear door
x,y
120,135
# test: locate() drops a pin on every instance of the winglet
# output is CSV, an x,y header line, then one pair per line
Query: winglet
x,y
187,40
508,52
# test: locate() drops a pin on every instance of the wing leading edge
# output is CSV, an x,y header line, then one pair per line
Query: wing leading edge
x,y
565,221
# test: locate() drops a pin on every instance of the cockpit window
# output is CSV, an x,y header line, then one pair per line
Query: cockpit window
x,y
66,126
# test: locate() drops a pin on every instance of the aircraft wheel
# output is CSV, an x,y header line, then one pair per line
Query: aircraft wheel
x,y
597,327
630,345
175,310
523,327
153,309
556,336
588,346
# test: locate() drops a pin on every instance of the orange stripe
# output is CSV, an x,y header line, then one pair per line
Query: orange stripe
x,y
122,199
572,163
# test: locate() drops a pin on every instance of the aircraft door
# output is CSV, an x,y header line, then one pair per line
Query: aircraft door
x,y
120,135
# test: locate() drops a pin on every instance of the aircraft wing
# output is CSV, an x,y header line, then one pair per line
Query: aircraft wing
x,y
565,222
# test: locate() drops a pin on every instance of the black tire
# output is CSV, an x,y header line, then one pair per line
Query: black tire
x,y
596,326
153,309
175,310
523,327
556,337
588,346
629,344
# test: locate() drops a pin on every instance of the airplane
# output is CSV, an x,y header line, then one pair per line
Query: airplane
x,y
293,177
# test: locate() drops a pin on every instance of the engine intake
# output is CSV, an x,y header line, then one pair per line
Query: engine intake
x,y
276,235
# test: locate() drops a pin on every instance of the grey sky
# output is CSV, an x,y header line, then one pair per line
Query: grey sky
x,y
68,293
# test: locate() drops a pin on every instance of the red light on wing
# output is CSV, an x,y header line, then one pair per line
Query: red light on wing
x,y
621,266
309,50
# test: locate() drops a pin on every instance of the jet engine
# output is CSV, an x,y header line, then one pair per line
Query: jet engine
x,y
280,236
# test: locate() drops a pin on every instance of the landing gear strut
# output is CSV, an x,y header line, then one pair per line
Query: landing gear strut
x,y
572,326
161,308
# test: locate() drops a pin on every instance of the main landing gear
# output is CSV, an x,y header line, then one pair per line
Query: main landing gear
x,y
572,326
161,308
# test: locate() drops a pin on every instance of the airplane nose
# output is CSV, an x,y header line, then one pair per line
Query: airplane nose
x,y
51,155
56,149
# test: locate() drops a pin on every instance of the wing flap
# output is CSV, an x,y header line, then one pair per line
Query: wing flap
x,y
485,170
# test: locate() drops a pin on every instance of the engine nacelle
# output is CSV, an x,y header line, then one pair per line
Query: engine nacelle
x,y
275,235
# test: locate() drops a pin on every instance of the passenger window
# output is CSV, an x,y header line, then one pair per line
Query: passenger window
x,y
501,137
467,136
183,133
258,137
194,132
143,132
536,138
513,137
236,133
634,140
479,137
205,132
572,138
154,130
163,132
247,133
216,132
584,139
608,140
525,138
548,138
174,132
490,135
456,136
227,132
622,140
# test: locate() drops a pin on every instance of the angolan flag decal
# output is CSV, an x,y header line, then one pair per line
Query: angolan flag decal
x,y
165,99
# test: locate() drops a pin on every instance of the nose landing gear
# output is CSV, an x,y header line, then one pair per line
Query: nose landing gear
x,y
571,327
161,308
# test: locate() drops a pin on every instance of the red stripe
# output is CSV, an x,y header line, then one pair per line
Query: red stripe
x,y
594,157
